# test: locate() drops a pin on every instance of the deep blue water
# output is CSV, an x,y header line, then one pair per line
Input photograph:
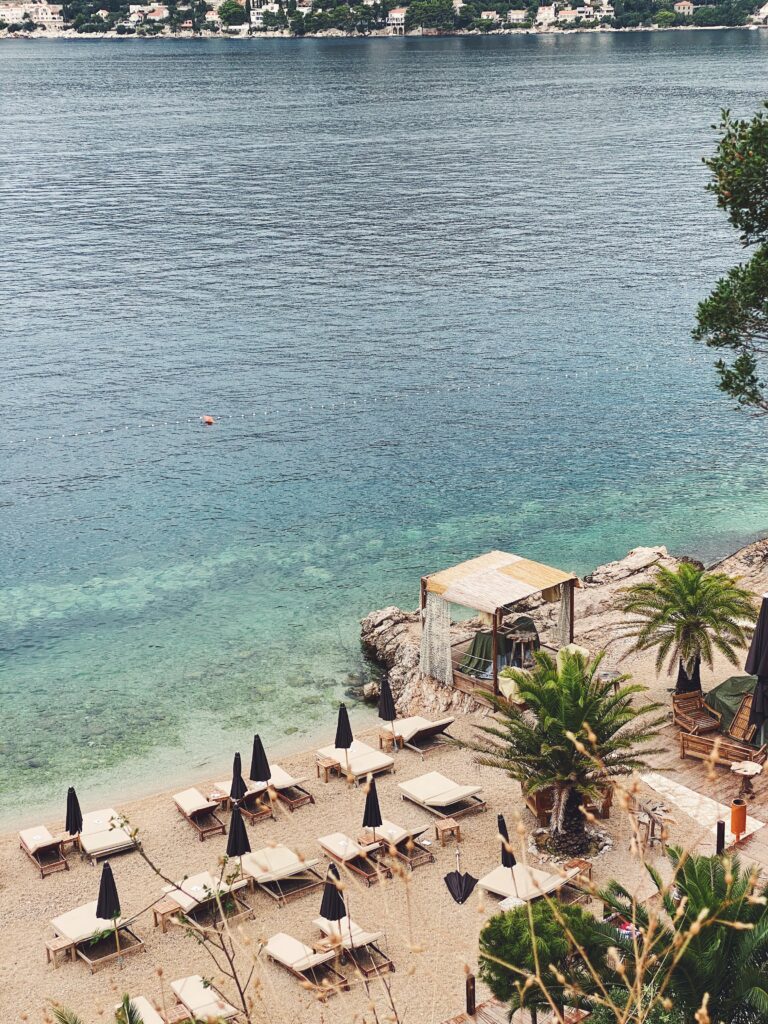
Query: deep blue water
x,y
442,287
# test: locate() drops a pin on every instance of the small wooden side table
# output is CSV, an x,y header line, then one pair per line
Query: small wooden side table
x,y
328,765
162,911
388,741
445,828
59,945
584,866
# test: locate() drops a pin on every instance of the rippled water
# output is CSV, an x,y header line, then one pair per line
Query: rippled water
x,y
488,249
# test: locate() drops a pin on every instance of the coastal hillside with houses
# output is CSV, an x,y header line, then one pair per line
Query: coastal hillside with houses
x,y
187,18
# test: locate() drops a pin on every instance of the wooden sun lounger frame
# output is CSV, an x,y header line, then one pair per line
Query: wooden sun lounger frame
x,y
203,831
340,983
60,864
372,969
434,737
94,965
302,797
691,714
256,807
236,1018
281,897
412,853
244,911
365,866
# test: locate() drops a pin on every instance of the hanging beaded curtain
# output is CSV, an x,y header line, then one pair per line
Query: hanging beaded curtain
x,y
564,618
436,640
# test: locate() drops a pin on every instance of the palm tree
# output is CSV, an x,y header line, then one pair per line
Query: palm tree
x,y
716,941
126,1013
687,614
575,735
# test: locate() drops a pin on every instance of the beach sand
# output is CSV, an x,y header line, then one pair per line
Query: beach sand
x,y
431,940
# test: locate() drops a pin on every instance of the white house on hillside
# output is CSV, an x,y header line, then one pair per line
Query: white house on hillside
x,y
546,15
515,16
396,20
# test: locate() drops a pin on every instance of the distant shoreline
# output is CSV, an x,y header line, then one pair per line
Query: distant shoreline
x,y
382,34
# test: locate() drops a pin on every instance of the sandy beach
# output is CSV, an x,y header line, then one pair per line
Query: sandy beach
x,y
431,940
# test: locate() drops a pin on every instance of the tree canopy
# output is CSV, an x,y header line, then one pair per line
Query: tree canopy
x,y
734,318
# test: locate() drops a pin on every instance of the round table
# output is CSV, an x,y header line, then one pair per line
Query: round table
x,y
748,770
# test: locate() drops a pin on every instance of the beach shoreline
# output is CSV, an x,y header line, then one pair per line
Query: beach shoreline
x,y
383,34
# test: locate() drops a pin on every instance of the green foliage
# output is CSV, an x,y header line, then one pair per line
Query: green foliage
x,y
650,1010
430,14
575,735
232,13
716,941
62,1016
127,1013
514,947
735,315
687,614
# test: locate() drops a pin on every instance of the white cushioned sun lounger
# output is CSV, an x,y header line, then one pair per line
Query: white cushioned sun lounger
x,y
81,924
442,796
45,852
416,730
305,964
274,863
203,1001
200,888
523,882
355,858
281,873
360,760
102,836
404,842
362,946
199,812
349,934
147,1012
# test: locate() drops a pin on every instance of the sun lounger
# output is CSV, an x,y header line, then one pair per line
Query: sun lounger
x,y
441,796
102,836
356,858
402,842
146,1010
359,761
525,883
289,790
200,892
200,813
360,945
45,852
420,734
281,873
255,805
81,925
202,1000
307,965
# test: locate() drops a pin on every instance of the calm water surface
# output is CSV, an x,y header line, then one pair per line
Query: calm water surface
x,y
489,250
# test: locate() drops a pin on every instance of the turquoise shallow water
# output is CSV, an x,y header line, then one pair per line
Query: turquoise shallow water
x,y
489,250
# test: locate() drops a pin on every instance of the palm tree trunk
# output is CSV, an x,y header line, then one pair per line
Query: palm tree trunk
x,y
689,683
566,824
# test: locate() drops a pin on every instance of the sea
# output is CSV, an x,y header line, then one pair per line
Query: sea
x,y
436,295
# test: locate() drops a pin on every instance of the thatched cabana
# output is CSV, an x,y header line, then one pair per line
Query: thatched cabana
x,y
491,584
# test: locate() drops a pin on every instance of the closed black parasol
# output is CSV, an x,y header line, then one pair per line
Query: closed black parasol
x,y
238,788
332,907
260,770
507,856
237,840
108,904
344,738
387,711
757,665
372,814
460,884
74,824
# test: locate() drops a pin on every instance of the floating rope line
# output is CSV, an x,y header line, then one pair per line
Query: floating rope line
x,y
350,405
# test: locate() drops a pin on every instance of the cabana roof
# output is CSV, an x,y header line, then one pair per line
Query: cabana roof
x,y
495,580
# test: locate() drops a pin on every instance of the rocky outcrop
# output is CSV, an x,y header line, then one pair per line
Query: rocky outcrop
x,y
392,637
